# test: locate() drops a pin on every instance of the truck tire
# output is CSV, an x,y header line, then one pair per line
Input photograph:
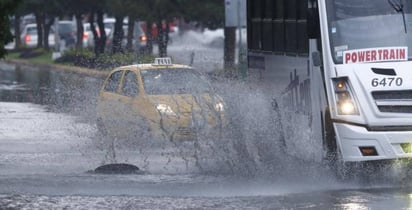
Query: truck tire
x,y
342,170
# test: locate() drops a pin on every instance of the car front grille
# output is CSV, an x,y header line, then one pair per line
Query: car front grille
x,y
393,101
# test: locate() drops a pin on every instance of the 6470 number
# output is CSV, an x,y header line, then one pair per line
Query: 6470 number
x,y
387,82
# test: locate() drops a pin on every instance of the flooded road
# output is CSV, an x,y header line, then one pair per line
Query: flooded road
x,y
49,144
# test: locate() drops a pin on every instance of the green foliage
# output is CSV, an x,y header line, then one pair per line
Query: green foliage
x,y
84,53
38,55
43,56
208,14
106,61
145,58
7,8
86,58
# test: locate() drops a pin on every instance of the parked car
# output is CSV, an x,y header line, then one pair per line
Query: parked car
x,y
29,36
169,101
139,41
88,38
67,32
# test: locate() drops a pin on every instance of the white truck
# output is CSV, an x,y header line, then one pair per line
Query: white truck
x,y
342,72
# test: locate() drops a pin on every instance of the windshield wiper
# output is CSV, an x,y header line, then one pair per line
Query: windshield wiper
x,y
398,7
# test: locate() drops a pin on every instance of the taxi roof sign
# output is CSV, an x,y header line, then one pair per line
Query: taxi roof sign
x,y
163,61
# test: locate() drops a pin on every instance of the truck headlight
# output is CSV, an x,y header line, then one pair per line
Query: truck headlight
x,y
165,109
345,102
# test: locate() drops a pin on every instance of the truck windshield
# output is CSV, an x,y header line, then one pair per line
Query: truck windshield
x,y
365,24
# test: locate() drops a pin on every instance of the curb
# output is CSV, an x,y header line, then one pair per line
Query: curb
x,y
59,67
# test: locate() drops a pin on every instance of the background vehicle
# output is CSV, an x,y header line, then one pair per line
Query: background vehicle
x,y
29,36
87,36
67,32
139,40
88,39
333,80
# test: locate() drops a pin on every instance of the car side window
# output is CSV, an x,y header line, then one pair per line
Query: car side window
x,y
130,85
113,82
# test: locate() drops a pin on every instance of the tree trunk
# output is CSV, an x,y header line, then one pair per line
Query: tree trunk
x,y
130,34
118,35
94,32
47,27
80,31
101,44
163,38
17,31
39,30
150,38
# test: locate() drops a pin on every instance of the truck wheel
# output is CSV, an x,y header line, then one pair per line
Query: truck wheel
x,y
333,157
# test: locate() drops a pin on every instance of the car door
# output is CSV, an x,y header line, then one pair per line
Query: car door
x,y
138,113
109,102
128,93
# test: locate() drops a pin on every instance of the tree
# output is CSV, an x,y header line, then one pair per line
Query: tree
x,y
78,8
162,12
209,14
97,9
44,17
133,9
7,7
117,8
120,9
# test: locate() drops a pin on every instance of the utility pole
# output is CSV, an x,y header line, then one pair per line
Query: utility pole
x,y
235,19
229,49
242,65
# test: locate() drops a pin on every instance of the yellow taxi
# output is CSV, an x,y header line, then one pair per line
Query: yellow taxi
x,y
163,99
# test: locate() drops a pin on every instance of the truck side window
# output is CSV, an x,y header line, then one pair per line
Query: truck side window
x,y
130,86
113,82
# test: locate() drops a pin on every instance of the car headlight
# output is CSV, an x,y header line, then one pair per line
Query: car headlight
x,y
219,107
165,109
344,98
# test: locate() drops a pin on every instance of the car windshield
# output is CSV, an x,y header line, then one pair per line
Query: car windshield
x,y
173,81
364,24
31,30
65,28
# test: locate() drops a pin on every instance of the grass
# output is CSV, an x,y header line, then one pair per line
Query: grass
x,y
43,58
12,55
35,55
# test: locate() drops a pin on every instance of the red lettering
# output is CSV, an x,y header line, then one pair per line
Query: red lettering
x,y
373,55
354,58
402,54
380,54
368,55
361,56
392,55
385,55
347,57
